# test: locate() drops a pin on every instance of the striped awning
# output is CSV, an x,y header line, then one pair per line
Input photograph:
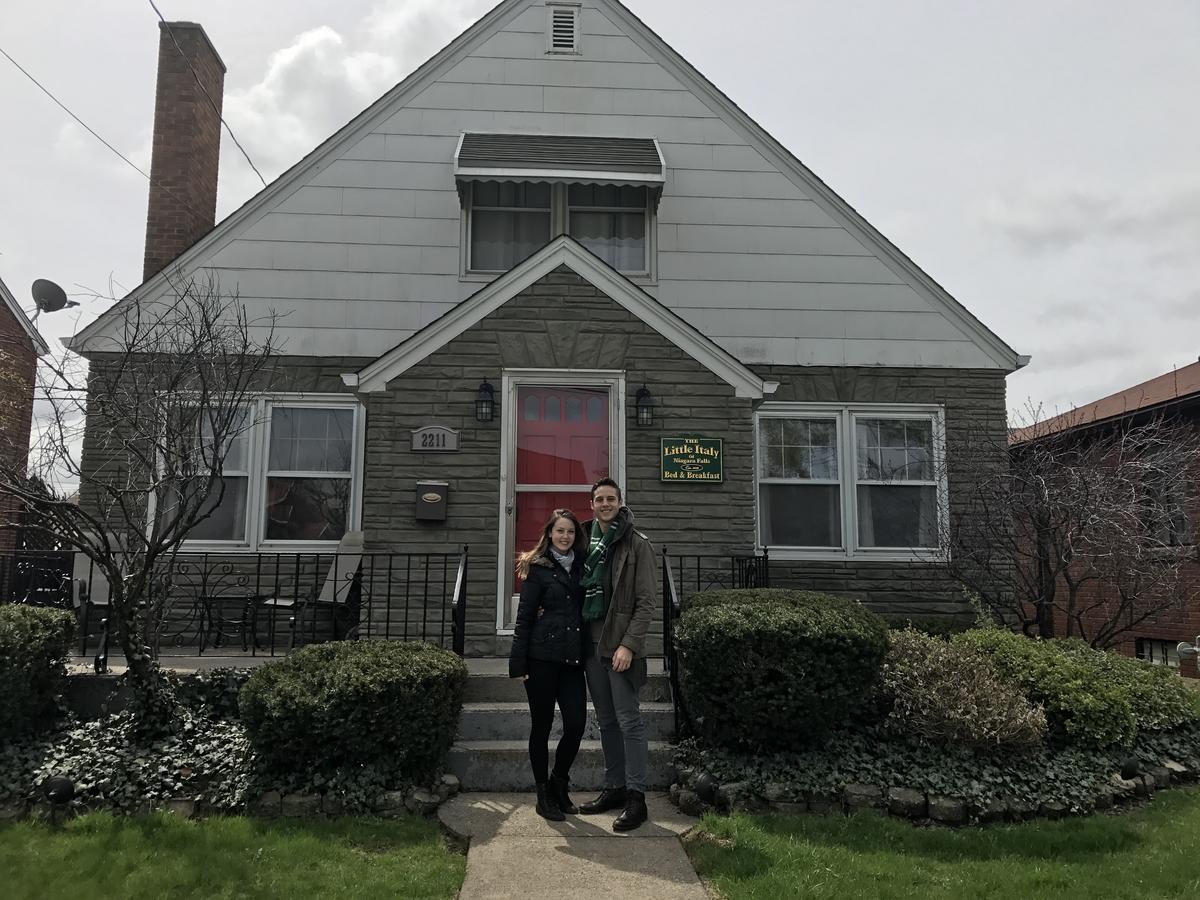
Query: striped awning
x,y
559,159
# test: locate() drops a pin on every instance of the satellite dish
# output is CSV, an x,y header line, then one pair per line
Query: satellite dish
x,y
49,297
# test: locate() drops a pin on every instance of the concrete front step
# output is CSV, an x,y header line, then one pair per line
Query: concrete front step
x,y
504,766
510,722
498,688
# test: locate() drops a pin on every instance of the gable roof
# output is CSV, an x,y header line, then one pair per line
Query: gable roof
x,y
1169,388
1004,356
39,344
562,251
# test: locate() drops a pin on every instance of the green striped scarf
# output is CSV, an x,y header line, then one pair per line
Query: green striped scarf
x,y
593,571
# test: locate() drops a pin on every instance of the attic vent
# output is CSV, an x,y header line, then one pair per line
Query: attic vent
x,y
564,29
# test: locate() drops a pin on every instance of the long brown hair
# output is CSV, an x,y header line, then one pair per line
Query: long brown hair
x,y
543,545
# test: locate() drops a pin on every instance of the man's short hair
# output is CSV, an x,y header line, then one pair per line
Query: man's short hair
x,y
606,482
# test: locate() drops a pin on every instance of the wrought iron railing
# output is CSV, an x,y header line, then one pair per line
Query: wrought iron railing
x,y
260,602
683,576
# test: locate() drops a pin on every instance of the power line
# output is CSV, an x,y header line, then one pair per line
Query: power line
x,y
204,90
93,133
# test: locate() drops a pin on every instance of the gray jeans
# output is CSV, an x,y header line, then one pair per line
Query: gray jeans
x,y
619,712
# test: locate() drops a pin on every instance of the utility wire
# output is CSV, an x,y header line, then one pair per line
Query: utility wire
x,y
93,133
204,90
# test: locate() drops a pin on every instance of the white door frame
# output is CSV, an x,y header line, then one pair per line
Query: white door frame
x,y
612,379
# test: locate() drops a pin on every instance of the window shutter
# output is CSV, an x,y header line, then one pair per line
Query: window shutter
x,y
564,29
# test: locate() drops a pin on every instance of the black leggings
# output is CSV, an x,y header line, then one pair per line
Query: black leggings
x,y
549,682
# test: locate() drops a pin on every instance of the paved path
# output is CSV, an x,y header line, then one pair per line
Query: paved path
x,y
516,853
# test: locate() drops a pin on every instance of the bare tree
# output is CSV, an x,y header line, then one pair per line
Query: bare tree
x,y
1082,527
163,400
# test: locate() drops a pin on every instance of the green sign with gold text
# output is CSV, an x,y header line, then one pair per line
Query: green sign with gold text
x,y
692,459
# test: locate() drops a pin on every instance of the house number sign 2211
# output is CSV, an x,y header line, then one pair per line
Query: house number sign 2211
x,y
434,439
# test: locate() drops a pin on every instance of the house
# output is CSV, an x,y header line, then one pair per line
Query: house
x,y
556,252
1170,613
20,347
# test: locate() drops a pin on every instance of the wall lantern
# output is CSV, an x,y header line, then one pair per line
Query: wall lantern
x,y
645,407
485,402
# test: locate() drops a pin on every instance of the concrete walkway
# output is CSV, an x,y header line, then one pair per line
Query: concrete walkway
x,y
516,853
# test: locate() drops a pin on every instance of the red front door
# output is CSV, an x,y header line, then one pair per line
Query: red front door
x,y
562,449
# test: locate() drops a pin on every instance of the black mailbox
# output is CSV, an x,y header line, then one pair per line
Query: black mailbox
x,y
431,501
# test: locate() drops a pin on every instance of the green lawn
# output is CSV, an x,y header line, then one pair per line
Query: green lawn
x,y
1151,852
165,856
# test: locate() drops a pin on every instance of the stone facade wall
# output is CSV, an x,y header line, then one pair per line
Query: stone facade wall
x,y
560,322
563,322
974,403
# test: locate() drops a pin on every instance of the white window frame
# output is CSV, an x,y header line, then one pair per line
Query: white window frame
x,y
560,223
259,449
847,415
1170,658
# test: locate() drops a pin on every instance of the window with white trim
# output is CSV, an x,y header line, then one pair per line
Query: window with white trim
x,y
1158,652
508,221
291,474
845,480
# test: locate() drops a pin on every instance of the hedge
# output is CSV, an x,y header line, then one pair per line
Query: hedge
x,y
1084,707
768,668
953,693
348,703
34,646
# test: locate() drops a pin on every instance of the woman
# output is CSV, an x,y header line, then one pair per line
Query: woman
x,y
548,653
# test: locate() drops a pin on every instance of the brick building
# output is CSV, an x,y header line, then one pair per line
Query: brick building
x,y
1173,396
20,347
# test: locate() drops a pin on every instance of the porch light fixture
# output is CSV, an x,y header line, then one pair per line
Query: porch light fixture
x,y
485,402
645,407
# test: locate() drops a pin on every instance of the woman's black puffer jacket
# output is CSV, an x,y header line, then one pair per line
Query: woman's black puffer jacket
x,y
557,635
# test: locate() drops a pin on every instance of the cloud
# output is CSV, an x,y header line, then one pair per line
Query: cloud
x,y
1060,218
323,78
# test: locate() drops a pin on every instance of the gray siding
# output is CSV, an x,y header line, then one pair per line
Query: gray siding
x,y
374,232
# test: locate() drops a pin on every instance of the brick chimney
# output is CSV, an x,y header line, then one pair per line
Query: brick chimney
x,y
187,143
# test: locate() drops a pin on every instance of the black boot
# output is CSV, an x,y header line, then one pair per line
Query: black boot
x,y
547,808
558,788
635,812
610,798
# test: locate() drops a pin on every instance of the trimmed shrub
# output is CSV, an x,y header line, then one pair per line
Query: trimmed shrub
x,y
943,627
34,646
1083,706
348,703
776,668
952,693
1158,696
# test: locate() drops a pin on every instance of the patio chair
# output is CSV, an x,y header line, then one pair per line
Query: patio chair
x,y
339,594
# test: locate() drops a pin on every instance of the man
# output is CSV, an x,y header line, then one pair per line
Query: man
x,y
618,580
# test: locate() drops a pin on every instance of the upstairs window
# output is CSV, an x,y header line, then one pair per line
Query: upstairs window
x,y
508,221
610,220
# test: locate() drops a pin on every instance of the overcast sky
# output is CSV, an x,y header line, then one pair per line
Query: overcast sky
x,y
1038,158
